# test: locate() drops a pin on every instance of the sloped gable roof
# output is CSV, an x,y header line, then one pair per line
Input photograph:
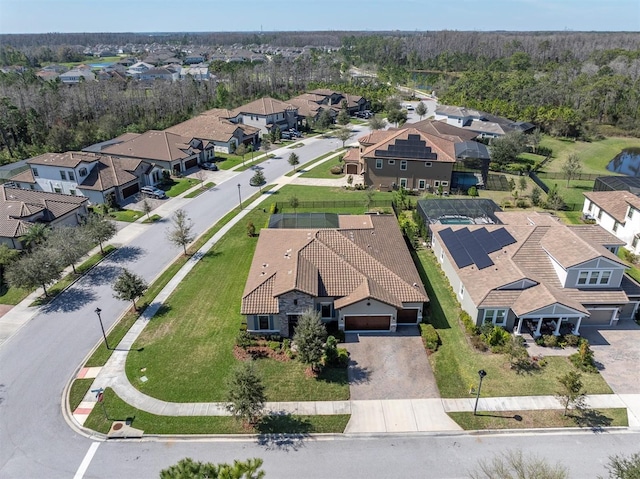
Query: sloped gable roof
x,y
153,145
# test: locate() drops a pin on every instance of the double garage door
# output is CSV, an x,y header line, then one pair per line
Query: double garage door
x,y
598,317
367,323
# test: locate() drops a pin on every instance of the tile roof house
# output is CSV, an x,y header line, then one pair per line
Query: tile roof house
x,y
267,114
86,174
484,125
535,274
618,212
20,209
359,275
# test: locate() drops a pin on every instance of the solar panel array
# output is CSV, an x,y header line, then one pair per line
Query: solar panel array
x,y
473,247
413,147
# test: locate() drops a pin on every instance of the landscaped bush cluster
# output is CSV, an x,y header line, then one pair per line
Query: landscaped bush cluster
x,y
551,341
469,326
336,170
429,336
273,209
495,337
583,359
335,356
522,203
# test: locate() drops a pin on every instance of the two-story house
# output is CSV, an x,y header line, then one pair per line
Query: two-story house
x,y
407,158
267,114
359,275
534,274
618,212
484,125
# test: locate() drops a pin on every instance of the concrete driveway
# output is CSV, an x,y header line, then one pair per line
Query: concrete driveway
x,y
389,366
617,350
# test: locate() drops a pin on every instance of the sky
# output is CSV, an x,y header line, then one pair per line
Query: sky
x,y
42,16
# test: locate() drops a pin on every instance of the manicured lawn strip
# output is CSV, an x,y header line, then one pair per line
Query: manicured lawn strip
x,y
323,193
188,347
595,155
311,163
58,287
78,390
152,424
595,418
323,170
102,354
570,217
455,364
248,164
179,186
126,215
11,295
228,161
152,219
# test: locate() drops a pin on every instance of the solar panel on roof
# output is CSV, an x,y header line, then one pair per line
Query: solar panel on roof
x,y
473,248
456,250
503,237
485,239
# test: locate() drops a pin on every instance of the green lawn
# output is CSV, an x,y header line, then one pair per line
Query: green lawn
x,y
356,199
118,331
456,364
126,215
187,350
591,418
151,424
323,170
177,186
11,295
152,219
228,161
78,390
198,192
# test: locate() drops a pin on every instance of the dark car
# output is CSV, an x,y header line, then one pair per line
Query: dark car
x,y
207,165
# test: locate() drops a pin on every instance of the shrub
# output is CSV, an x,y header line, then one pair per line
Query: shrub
x,y
571,340
583,359
478,343
343,358
244,339
430,336
286,344
274,345
506,204
539,341
336,170
468,323
550,341
273,209
331,351
495,337
522,203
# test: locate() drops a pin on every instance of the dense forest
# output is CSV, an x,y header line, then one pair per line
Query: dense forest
x,y
570,84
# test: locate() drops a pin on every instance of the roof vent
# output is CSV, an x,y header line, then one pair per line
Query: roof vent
x,y
415,285
264,265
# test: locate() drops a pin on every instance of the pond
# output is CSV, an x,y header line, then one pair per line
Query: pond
x,y
627,162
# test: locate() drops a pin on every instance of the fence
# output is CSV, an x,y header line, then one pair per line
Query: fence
x,y
563,176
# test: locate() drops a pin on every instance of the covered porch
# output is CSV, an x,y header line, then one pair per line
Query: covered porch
x,y
555,319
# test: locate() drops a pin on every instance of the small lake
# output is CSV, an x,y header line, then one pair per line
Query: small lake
x,y
627,162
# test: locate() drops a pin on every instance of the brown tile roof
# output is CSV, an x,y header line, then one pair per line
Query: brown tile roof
x,y
111,172
152,145
615,203
306,107
263,106
17,204
442,148
352,155
70,159
376,136
527,258
314,97
25,176
355,262
324,92
443,129
220,113
206,127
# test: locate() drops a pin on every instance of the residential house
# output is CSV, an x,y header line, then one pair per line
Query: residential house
x,y
483,124
210,133
618,212
407,158
139,68
337,100
197,72
310,109
160,73
77,75
91,175
533,274
194,58
267,114
20,209
359,274
162,148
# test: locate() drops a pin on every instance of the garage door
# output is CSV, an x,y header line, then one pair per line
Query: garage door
x,y
130,190
599,317
367,323
352,169
190,163
408,316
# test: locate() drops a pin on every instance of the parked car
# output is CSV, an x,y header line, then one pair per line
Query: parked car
x,y
295,133
208,165
153,192
285,135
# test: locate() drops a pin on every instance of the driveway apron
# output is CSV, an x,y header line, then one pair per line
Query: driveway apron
x,y
386,365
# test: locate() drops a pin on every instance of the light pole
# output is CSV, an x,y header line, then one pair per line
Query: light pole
x,y
106,343
482,373
239,197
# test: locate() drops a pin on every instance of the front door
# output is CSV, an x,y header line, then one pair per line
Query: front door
x,y
293,323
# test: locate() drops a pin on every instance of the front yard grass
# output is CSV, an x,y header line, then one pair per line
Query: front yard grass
x,y
177,186
187,349
545,418
456,363
125,215
117,409
78,391
11,295
323,170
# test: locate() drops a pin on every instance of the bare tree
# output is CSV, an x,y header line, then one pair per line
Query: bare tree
x,y
181,233
377,123
572,167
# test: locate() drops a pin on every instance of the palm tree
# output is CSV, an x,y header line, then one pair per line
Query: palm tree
x,y
35,235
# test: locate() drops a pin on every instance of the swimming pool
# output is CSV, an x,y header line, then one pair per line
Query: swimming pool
x,y
455,220
463,180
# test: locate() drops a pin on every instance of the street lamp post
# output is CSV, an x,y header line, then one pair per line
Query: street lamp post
x,y
239,196
482,373
104,335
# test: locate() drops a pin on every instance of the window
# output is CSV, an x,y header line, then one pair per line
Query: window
x,y
71,176
436,183
391,162
35,171
428,164
589,206
263,322
615,226
72,192
600,214
593,278
63,175
634,243
422,184
462,291
378,164
325,310
403,164
442,256
57,190
403,182
83,172
630,213
444,183
497,317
